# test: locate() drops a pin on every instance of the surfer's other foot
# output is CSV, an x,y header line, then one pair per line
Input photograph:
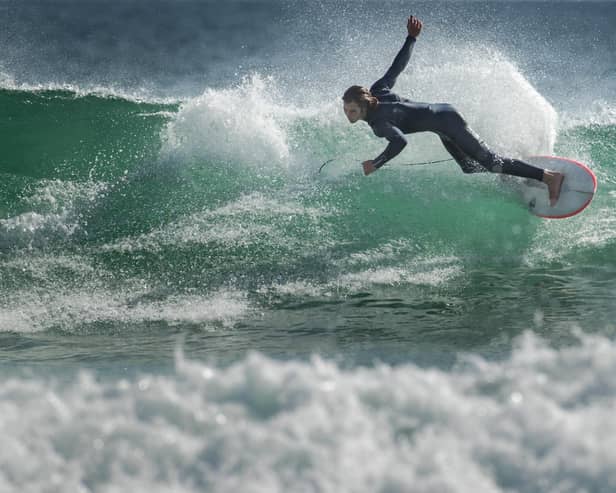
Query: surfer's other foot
x,y
554,181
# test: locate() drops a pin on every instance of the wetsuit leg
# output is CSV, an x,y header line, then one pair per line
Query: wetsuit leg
x,y
467,164
454,128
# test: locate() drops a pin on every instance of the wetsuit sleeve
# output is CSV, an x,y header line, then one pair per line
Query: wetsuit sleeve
x,y
397,142
387,82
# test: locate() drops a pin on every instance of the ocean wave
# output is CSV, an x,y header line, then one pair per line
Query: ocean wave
x,y
541,417
164,175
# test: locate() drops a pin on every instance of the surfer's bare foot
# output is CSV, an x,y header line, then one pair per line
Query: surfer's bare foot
x,y
554,181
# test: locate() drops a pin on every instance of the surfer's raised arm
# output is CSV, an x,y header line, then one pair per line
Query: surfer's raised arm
x,y
387,82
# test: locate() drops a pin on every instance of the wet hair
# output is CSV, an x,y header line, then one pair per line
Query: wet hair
x,y
360,95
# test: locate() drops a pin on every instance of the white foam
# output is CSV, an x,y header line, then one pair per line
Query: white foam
x,y
496,99
394,276
298,288
42,267
258,204
54,208
541,418
386,252
392,250
242,123
71,309
421,271
6,80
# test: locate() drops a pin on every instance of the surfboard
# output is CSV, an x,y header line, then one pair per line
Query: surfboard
x,y
578,188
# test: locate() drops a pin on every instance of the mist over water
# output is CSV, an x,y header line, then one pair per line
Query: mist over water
x,y
187,304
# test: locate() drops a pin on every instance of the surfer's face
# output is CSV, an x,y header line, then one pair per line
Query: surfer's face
x,y
354,112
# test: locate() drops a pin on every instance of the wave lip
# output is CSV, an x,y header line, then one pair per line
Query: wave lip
x,y
137,95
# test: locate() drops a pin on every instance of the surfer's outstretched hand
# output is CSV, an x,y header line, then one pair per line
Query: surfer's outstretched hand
x,y
413,26
368,167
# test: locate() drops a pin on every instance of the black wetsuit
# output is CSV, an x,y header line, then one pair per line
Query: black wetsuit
x,y
395,116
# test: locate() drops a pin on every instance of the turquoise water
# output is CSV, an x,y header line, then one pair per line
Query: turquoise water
x,y
186,304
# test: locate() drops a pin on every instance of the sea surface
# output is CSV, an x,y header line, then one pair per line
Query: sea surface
x,y
188,305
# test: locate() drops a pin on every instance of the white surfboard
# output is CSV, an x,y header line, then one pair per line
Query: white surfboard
x,y
578,188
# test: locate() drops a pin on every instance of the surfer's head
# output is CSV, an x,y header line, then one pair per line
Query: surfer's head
x,y
358,101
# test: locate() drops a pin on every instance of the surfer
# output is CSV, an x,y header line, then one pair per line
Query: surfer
x,y
391,117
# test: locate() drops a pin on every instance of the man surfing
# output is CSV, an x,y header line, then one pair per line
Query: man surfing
x,y
391,117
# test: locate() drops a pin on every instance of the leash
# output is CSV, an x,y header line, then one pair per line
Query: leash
x,y
421,163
